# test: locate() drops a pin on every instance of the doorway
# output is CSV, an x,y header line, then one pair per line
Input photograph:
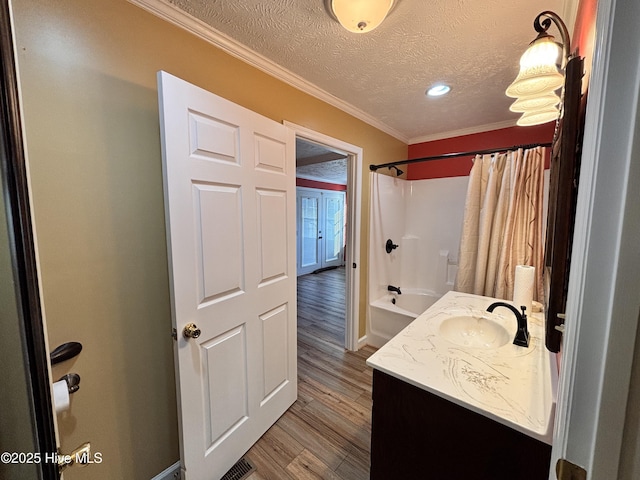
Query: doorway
x,y
316,152
321,183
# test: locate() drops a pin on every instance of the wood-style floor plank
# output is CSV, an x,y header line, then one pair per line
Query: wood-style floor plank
x,y
281,446
307,466
326,434
354,468
329,452
266,467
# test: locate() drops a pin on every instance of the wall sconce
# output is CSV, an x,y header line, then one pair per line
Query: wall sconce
x,y
541,73
360,16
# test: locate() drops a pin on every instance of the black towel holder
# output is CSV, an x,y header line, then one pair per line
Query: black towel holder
x,y
65,351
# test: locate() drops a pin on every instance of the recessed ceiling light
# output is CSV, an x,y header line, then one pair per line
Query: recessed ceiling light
x,y
438,90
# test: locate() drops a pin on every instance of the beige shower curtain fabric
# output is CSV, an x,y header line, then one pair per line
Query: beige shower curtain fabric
x,y
502,223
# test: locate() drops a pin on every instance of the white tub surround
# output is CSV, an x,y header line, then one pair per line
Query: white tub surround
x,y
391,313
512,385
424,218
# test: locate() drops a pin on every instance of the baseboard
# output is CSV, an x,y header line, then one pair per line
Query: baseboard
x,y
171,473
375,340
362,342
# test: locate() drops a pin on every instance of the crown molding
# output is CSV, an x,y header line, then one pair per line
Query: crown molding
x,y
174,15
464,131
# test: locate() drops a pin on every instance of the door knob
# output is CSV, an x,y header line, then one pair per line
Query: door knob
x,y
191,331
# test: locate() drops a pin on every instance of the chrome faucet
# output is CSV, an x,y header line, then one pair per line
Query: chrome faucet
x,y
391,288
522,335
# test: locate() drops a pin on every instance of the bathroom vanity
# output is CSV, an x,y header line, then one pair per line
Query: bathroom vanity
x,y
454,398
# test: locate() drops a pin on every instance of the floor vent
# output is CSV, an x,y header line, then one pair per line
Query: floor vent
x,y
242,469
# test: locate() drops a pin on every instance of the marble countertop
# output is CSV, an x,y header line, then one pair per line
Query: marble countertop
x,y
513,385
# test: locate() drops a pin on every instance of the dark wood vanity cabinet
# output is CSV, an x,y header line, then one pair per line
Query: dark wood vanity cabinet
x,y
418,435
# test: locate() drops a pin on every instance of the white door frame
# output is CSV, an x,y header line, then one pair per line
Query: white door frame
x,y
603,303
354,208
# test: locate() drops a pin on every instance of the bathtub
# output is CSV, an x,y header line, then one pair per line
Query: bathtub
x,y
387,318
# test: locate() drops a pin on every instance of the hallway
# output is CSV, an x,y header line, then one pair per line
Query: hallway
x,y
321,307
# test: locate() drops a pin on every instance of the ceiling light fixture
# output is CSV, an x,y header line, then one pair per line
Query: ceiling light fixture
x,y
541,73
360,16
438,90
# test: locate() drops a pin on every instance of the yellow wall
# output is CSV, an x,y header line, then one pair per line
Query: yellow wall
x,y
88,79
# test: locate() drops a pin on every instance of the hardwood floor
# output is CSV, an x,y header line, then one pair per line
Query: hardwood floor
x,y
321,306
326,433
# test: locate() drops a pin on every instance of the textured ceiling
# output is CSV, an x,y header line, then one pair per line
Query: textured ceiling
x,y
316,162
472,45
334,171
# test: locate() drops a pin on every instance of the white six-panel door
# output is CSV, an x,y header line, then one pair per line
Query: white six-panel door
x,y
229,177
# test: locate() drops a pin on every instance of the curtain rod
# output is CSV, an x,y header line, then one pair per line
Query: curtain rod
x,y
373,168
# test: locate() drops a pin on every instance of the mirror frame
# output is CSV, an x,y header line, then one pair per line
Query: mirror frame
x,y
563,191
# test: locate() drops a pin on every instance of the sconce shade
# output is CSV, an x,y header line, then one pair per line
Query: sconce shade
x,y
361,16
538,117
538,69
535,102
539,74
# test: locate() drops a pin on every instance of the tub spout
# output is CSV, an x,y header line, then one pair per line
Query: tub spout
x,y
522,335
391,288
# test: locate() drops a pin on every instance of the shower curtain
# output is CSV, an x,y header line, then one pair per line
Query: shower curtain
x,y
502,223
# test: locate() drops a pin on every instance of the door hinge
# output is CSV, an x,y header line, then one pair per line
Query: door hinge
x,y
565,470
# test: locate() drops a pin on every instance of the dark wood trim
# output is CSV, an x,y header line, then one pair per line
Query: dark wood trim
x,y
15,189
563,193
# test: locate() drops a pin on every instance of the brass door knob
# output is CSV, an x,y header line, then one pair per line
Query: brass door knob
x,y
191,331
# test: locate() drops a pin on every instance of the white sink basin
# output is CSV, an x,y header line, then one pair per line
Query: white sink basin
x,y
475,332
